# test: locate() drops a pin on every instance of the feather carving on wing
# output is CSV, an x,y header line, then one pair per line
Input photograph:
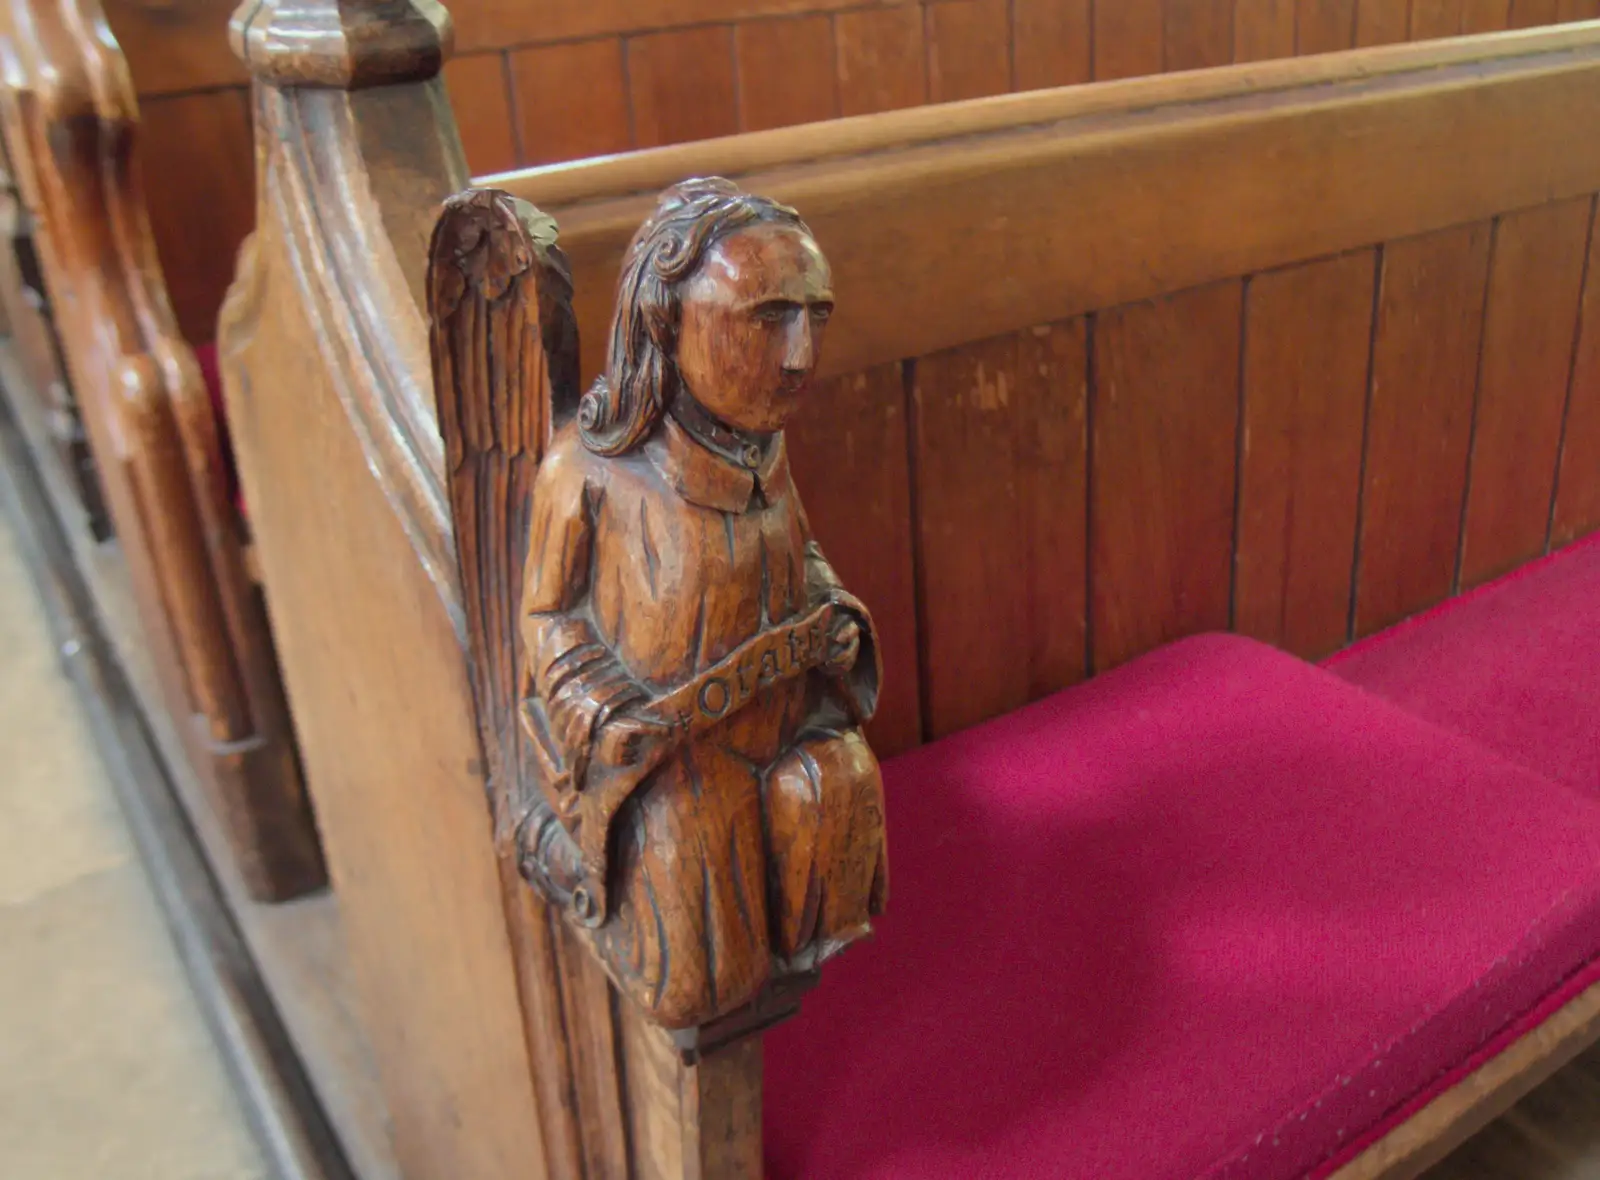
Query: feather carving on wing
x,y
505,366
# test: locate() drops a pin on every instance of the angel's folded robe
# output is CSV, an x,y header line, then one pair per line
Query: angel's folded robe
x,y
757,845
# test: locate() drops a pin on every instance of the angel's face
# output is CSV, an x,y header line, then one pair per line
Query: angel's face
x,y
751,325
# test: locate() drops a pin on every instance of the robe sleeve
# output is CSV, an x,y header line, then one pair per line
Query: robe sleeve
x,y
575,682
860,685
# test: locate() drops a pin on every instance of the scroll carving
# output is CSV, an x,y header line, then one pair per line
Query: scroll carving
x,y
670,679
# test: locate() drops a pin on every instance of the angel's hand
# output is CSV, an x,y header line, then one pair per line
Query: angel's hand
x,y
631,739
844,646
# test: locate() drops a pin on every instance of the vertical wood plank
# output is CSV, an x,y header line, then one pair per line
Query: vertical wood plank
x,y
1308,340
849,450
1527,14
681,86
1575,10
1326,26
1198,34
1485,16
1263,30
1435,18
1577,506
572,101
700,1122
176,48
1000,462
1382,22
480,95
882,65
969,49
1163,456
1424,372
198,227
1051,464
1535,285
1129,38
1050,43
786,72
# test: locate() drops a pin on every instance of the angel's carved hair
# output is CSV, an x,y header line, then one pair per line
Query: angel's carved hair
x,y
641,377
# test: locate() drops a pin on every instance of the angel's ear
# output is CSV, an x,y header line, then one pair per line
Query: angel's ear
x,y
505,371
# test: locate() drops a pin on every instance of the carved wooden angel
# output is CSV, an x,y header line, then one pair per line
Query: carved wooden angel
x,y
693,677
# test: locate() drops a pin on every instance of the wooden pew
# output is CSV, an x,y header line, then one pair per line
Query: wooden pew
x,y
1261,348
656,73
98,365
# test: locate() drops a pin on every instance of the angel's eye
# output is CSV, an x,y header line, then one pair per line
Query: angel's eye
x,y
820,312
774,313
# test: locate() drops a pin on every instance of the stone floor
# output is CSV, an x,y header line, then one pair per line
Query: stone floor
x,y
106,1070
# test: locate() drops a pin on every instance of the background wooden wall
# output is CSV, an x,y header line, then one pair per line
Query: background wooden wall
x,y
561,79
1304,455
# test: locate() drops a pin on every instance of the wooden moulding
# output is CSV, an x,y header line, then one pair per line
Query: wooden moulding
x,y
1123,191
72,120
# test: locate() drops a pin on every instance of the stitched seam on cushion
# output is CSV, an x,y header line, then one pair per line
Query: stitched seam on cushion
x,y
1518,955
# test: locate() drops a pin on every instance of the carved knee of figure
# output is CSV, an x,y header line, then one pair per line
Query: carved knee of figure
x,y
825,840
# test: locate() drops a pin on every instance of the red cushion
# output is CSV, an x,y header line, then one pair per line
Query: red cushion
x,y
1514,664
1216,913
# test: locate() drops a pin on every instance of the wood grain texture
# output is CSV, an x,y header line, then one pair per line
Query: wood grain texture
x,y
969,49
1535,285
882,62
699,799
571,101
786,72
351,183
176,47
1577,505
1485,16
1308,340
1329,149
699,1122
1129,38
1573,10
1424,375
480,94
197,226
1000,469
1326,26
430,953
1551,1132
1435,18
849,449
497,24
681,86
1382,22
153,435
1163,453
1198,34
1527,14
1050,43
1263,29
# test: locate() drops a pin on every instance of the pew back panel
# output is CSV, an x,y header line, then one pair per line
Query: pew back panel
x,y
1110,365
1295,362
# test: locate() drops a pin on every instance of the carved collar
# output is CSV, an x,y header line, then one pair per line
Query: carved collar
x,y
711,479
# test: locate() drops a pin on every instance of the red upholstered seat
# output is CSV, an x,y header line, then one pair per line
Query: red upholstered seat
x,y
1217,913
1514,664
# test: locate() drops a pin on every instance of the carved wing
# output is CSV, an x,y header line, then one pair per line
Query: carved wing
x,y
505,374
